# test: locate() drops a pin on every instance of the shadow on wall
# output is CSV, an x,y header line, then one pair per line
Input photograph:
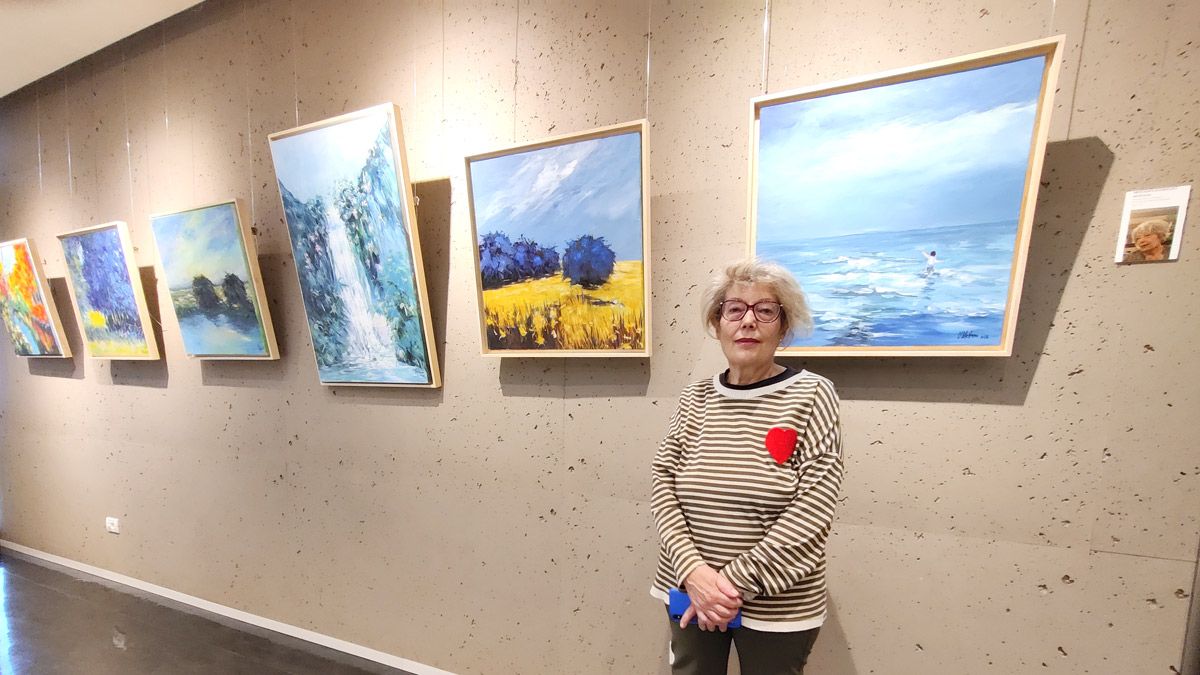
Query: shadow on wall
x,y
145,373
1072,177
236,373
831,654
72,368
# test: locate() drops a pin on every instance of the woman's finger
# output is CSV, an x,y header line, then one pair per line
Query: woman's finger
x,y
687,616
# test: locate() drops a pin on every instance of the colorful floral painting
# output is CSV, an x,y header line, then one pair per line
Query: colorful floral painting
x,y
26,304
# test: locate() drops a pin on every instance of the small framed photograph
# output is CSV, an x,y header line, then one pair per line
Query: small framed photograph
x,y
1152,225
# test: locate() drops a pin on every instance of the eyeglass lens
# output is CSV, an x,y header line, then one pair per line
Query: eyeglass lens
x,y
765,311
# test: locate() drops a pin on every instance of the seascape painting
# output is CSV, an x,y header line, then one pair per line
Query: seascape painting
x,y
107,293
26,304
349,212
214,283
900,207
560,232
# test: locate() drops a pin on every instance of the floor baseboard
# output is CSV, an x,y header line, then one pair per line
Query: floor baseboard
x,y
231,613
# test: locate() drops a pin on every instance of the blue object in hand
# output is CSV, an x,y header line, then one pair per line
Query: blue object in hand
x,y
678,602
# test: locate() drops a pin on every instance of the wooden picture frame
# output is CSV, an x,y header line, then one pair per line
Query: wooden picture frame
x,y
106,292
209,262
29,312
362,281
903,202
557,275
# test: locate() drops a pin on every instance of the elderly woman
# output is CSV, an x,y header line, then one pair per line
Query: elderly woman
x,y
745,485
1149,240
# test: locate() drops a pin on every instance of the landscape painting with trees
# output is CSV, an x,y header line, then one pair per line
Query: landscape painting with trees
x,y
212,274
560,228
349,211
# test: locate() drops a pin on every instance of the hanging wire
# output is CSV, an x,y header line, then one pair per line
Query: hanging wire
x,y
249,121
37,99
67,109
516,65
166,79
766,50
649,28
295,69
125,103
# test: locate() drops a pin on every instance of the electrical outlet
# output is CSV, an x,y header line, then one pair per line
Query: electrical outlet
x,y
112,525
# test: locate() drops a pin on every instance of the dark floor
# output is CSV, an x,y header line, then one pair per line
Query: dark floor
x,y
54,620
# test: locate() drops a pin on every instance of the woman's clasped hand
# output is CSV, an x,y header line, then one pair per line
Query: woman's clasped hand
x,y
715,601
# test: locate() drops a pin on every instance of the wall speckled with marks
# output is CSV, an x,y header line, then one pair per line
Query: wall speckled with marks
x,y
1031,514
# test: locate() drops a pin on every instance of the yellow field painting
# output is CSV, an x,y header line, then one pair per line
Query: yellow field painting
x,y
553,313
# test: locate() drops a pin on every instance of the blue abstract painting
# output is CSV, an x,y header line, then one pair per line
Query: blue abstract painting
x,y
212,282
341,189
897,206
114,321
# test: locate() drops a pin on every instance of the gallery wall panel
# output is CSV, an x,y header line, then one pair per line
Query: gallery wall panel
x,y
1149,483
523,485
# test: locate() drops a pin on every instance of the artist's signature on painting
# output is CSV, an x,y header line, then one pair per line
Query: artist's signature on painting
x,y
970,335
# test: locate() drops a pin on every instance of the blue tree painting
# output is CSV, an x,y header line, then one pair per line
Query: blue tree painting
x,y
105,294
350,238
212,282
560,232
897,206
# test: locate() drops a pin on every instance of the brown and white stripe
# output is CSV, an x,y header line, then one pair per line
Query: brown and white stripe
x,y
718,497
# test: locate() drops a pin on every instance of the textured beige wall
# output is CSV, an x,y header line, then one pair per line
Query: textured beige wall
x,y
1030,514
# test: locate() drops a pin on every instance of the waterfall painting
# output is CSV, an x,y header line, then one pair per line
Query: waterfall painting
x,y
561,229
903,202
209,262
106,290
26,303
349,210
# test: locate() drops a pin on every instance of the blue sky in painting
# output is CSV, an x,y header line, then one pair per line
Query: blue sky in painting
x,y
941,151
202,241
553,195
309,164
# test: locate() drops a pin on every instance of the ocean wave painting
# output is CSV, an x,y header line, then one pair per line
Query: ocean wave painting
x,y
898,206
349,214
214,283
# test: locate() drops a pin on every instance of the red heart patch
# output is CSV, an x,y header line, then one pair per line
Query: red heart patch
x,y
781,443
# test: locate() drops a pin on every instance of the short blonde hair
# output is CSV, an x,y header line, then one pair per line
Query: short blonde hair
x,y
1153,226
797,319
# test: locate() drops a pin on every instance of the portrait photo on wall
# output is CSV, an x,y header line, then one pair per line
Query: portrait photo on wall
x,y
348,203
903,202
561,229
1152,225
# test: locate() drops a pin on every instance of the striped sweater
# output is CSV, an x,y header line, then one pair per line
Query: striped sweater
x,y
718,496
